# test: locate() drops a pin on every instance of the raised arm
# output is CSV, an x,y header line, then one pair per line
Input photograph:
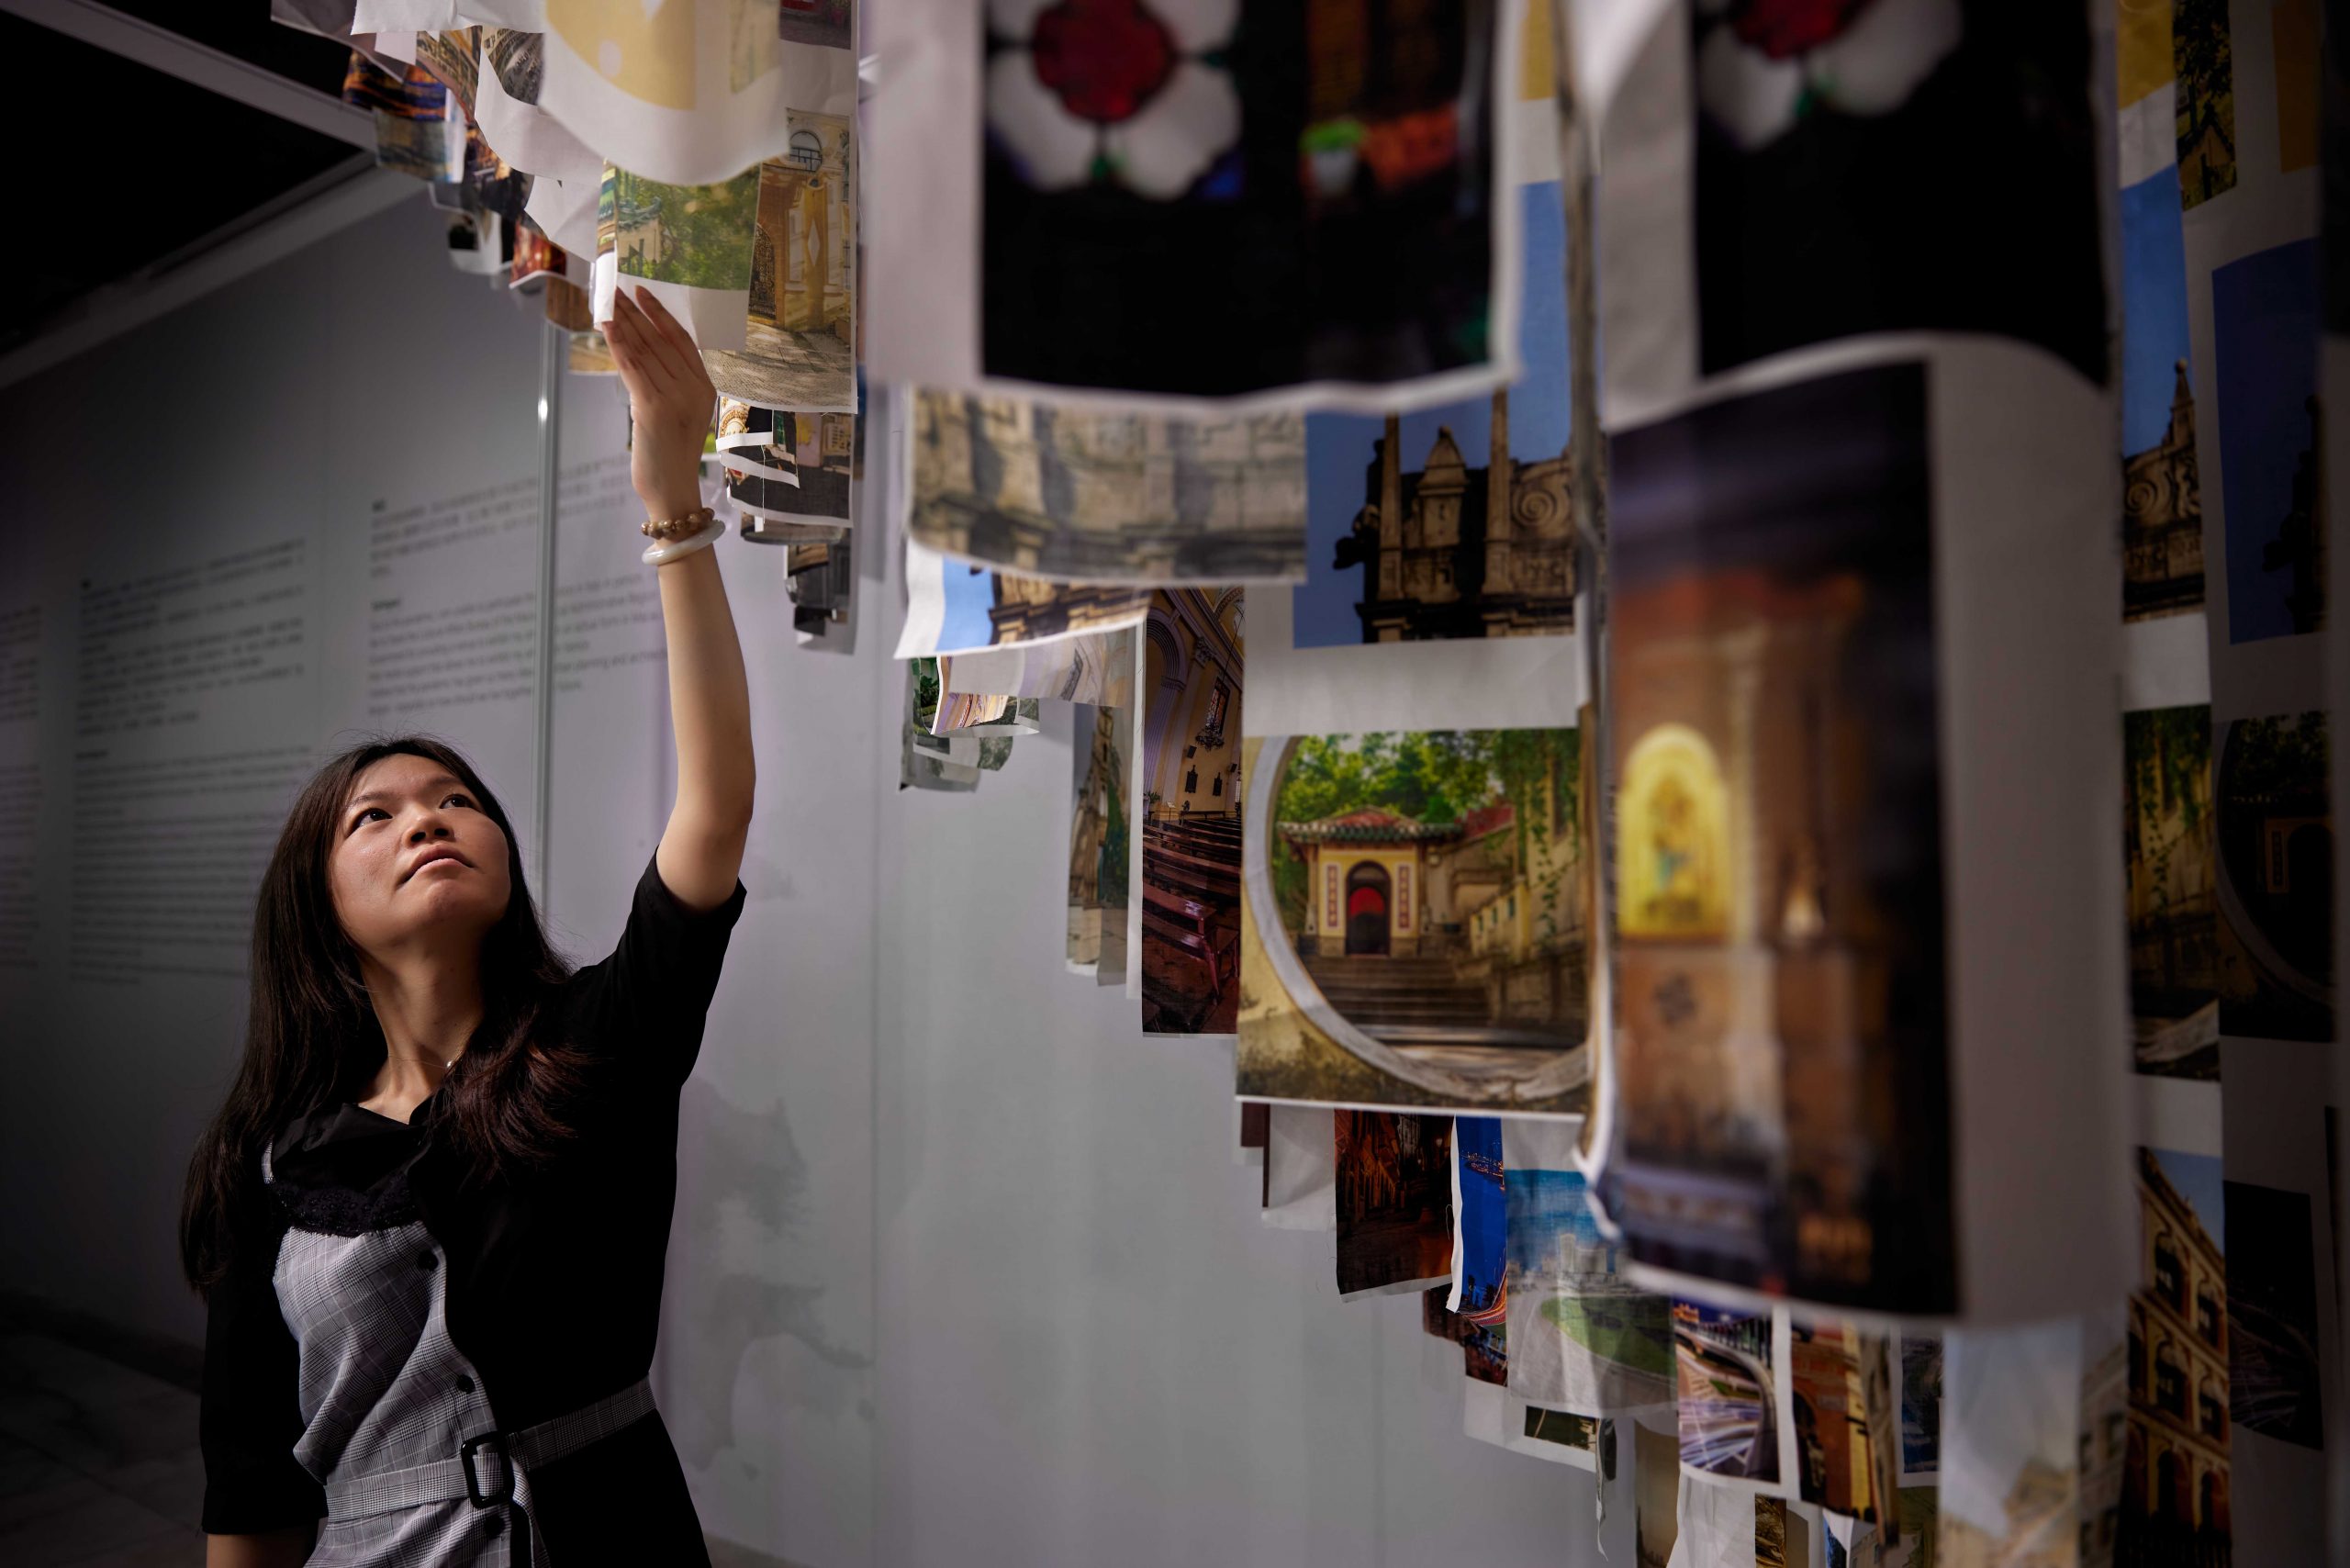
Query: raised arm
x,y
671,401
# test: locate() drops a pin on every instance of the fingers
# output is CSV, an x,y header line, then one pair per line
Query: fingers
x,y
654,341
629,331
625,361
679,342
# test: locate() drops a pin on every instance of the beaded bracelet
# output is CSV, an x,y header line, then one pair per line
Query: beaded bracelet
x,y
665,529
662,553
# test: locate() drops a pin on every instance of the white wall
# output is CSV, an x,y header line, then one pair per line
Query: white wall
x,y
1092,1352
276,412
964,1270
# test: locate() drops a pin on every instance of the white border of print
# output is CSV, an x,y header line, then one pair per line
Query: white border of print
x,y
1485,683
1491,1413
1257,887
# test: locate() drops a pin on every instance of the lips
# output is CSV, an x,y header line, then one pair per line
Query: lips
x,y
438,852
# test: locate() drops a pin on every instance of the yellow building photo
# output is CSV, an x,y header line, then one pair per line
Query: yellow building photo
x,y
1432,891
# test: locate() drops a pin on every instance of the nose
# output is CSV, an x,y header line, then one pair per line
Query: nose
x,y
427,827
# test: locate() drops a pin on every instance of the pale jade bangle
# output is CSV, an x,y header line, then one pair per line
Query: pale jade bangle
x,y
662,554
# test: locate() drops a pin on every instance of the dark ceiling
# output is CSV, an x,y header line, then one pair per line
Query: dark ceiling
x,y
158,165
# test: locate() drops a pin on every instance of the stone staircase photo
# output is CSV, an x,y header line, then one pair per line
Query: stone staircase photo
x,y
1399,994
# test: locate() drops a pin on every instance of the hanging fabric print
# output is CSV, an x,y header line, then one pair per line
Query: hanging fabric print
x,y
1194,201
792,467
1782,1042
1581,1337
1191,825
417,129
1394,1200
1091,671
1907,100
797,349
693,91
953,606
1416,920
688,245
1084,495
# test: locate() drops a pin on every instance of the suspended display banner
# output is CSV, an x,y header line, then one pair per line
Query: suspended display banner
x,y
987,749
788,467
927,761
1393,1202
2009,1489
1301,1171
1581,1337
1106,850
955,608
2226,126
1191,824
991,715
402,16
566,171
1190,205
1416,920
1480,1220
1097,669
1844,1071
796,350
689,246
1084,495
1442,545
1417,862
1094,832
418,131
694,92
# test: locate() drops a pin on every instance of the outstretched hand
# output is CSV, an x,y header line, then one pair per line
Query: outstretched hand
x,y
669,397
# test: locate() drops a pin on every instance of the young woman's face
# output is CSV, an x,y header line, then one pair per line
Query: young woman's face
x,y
416,862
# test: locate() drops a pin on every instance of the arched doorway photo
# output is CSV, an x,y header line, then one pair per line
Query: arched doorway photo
x,y
1440,946
1367,901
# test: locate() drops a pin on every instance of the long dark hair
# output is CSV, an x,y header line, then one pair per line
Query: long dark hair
x,y
311,1033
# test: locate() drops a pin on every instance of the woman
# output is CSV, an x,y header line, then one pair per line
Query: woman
x,y
430,1221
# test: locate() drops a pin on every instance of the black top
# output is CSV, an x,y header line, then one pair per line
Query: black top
x,y
554,1284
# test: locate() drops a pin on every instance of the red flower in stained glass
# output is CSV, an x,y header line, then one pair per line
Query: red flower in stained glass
x,y
1781,28
1104,59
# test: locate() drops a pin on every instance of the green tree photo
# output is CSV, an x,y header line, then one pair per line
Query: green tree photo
x,y
698,236
1431,776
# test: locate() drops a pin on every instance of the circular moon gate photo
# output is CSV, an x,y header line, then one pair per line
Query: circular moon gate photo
x,y
1424,899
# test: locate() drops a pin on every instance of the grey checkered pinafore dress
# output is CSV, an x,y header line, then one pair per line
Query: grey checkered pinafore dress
x,y
390,1407
383,1388
379,1298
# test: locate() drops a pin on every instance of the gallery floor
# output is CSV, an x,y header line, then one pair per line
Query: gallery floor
x,y
98,1461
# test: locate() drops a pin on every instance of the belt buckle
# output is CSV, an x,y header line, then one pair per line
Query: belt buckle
x,y
496,1442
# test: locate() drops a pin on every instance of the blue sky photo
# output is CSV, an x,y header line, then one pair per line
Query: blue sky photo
x,y
970,594
2263,324
1339,446
1543,1206
2197,1177
1484,1215
2153,307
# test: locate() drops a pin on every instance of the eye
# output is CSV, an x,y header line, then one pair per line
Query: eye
x,y
361,820
461,798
